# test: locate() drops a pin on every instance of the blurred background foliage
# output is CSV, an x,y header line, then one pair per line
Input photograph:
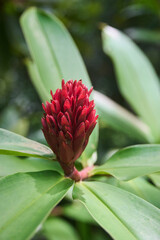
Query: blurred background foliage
x,y
20,106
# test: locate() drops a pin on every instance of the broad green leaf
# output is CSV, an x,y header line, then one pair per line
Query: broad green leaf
x,y
26,200
14,144
55,56
12,164
132,162
78,212
137,79
59,229
155,177
122,214
34,75
120,119
140,187
52,49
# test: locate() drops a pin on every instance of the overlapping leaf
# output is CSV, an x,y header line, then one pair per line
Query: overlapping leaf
x,y
136,77
120,119
14,144
26,200
59,229
13,164
55,56
132,162
122,214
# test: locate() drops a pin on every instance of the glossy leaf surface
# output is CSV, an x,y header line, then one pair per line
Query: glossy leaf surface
x,y
140,187
118,211
55,57
26,200
136,77
132,162
12,164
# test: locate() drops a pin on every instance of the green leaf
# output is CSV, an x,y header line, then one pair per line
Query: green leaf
x,y
155,177
78,212
26,200
55,56
52,49
132,162
120,119
59,229
12,164
144,35
36,79
140,187
122,214
137,79
14,144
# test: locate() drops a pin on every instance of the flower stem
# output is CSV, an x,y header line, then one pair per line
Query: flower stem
x,y
80,175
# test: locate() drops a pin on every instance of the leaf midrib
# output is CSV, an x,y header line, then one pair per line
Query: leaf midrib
x,y
110,209
117,167
55,59
28,206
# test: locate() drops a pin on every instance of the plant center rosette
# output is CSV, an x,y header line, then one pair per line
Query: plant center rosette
x,y
68,121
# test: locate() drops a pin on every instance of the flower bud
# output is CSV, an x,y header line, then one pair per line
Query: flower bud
x,y
68,121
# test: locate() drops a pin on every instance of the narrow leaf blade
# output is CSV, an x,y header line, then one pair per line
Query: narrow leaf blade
x,y
55,56
14,144
140,187
26,200
137,79
132,162
12,164
120,119
155,177
118,211
57,228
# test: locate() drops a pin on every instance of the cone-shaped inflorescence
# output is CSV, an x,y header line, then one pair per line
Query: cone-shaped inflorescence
x,y
68,121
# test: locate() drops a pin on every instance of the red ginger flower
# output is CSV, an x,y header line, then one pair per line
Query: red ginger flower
x,y
68,122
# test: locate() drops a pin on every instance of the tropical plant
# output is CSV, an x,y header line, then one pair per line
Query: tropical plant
x,y
123,202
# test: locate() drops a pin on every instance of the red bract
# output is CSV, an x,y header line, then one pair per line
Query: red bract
x,y
68,121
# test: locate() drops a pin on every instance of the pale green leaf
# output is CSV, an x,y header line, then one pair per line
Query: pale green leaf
x,y
136,77
144,35
12,164
120,119
155,177
14,144
26,200
132,162
59,229
78,212
122,214
140,187
55,56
